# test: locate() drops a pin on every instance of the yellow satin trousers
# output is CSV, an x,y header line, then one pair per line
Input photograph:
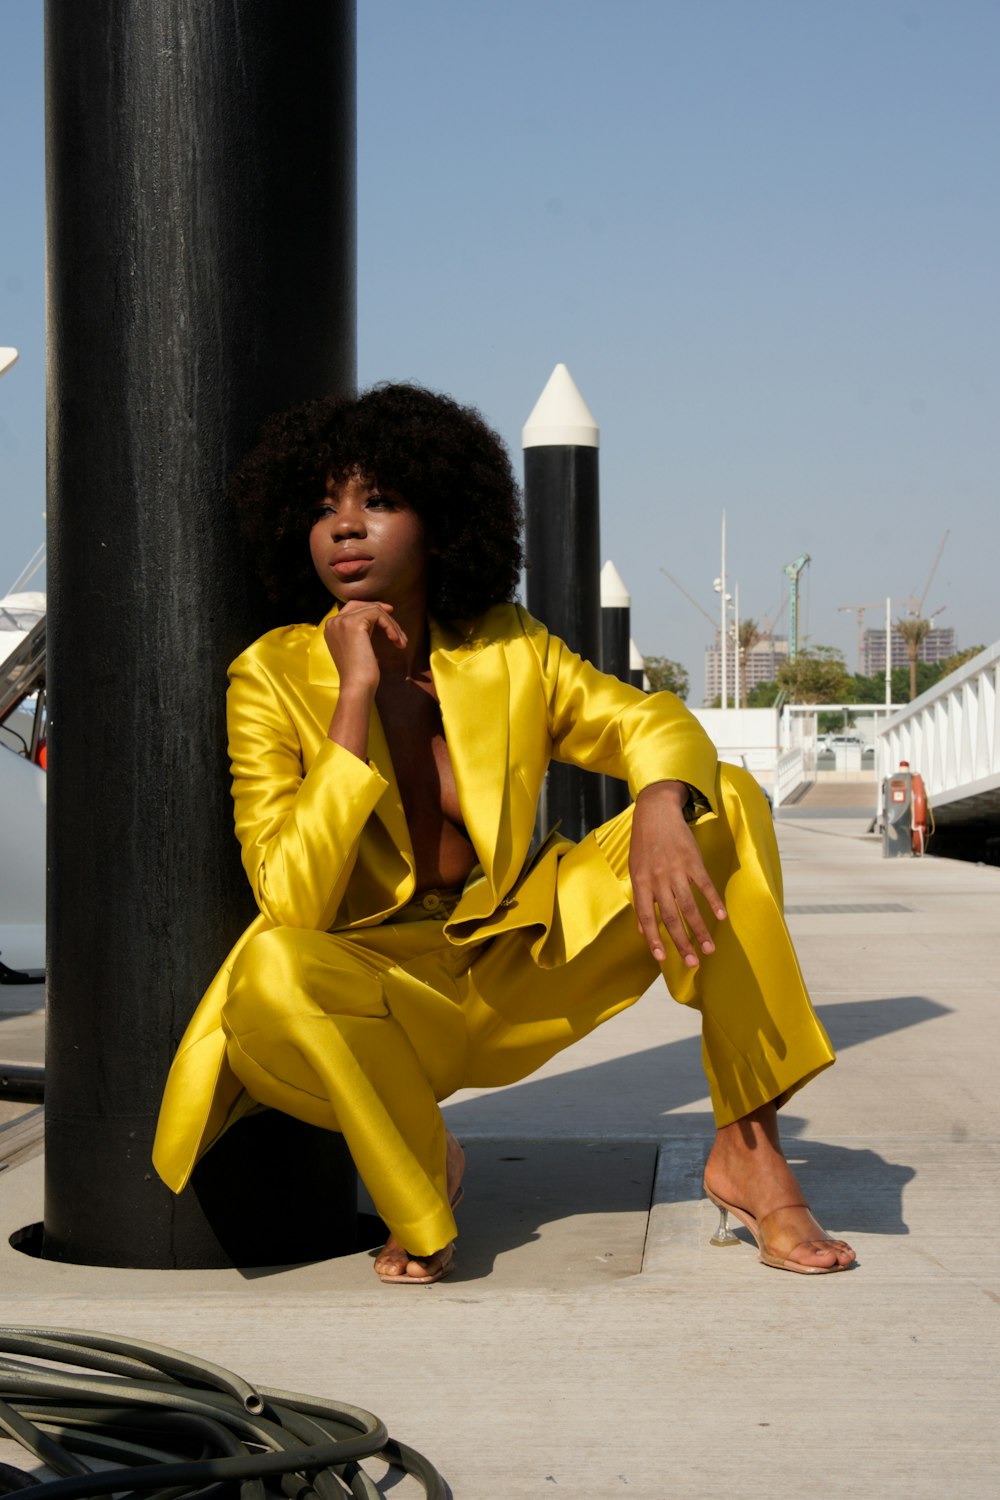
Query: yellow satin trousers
x,y
365,1031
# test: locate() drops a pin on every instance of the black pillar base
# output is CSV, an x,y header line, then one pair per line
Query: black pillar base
x,y
271,1192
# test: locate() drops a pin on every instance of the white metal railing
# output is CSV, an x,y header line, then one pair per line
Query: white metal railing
x,y
951,733
789,774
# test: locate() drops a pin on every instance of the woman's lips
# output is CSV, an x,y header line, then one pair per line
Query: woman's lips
x,y
351,567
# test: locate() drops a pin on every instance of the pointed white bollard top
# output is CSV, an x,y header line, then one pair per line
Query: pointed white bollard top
x,y
561,418
7,358
637,663
614,594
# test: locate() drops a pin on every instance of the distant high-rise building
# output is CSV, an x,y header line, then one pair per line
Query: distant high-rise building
x,y
763,661
937,645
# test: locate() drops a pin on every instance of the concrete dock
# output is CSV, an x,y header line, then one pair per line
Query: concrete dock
x,y
591,1343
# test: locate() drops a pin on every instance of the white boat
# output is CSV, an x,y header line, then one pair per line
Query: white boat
x,y
22,862
22,782
19,614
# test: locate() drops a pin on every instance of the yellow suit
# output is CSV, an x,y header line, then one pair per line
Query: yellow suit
x,y
338,1007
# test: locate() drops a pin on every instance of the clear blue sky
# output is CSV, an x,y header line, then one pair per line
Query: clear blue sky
x,y
763,234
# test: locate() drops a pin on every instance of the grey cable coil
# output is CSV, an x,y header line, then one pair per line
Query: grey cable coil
x,y
179,1427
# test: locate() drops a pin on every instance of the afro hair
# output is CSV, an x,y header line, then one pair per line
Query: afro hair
x,y
442,457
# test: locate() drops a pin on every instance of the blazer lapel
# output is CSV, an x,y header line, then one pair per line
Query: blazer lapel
x,y
473,688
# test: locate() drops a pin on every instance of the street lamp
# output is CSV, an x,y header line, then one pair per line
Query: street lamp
x,y
719,584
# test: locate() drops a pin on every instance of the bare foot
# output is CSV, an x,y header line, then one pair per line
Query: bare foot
x,y
394,1261
746,1167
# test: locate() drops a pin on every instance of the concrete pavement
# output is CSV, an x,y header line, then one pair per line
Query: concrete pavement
x,y
591,1342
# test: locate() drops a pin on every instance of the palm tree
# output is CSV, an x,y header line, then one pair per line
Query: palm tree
x,y
914,631
748,633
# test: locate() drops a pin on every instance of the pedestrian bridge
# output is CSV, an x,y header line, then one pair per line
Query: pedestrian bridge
x,y
951,736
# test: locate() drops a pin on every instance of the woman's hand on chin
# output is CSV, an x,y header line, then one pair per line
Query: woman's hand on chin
x,y
353,636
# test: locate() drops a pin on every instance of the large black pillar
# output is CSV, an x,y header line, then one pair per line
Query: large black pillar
x,y
201,264
562,544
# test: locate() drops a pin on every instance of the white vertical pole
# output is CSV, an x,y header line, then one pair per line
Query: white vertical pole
x,y
725,616
888,653
737,653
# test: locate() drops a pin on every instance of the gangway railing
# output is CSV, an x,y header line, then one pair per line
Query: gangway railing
x,y
951,736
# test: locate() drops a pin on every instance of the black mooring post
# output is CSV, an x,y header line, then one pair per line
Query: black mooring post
x,y
201,263
637,667
562,537
616,608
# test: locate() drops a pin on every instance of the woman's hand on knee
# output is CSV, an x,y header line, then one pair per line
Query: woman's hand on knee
x,y
666,868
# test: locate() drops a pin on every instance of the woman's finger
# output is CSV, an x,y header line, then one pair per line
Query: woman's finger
x,y
711,895
677,932
645,911
369,616
690,913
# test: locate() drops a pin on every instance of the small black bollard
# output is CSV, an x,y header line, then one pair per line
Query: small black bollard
x,y
616,608
637,667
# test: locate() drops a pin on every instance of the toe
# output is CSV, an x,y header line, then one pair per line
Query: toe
x,y
823,1252
391,1263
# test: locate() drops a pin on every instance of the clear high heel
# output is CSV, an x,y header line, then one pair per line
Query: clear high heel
x,y
723,1234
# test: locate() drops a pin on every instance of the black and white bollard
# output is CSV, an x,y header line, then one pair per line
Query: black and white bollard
x,y
616,608
562,534
637,667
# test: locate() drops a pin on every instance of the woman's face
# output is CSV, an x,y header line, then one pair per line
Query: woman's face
x,y
369,544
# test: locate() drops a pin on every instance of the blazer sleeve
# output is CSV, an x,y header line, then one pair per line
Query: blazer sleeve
x,y
299,829
603,724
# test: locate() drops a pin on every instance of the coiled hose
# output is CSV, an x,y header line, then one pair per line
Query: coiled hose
x,y
178,1427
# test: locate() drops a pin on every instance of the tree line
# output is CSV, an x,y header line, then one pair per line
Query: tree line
x,y
819,674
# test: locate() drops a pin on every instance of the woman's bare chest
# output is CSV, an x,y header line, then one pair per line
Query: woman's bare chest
x,y
411,720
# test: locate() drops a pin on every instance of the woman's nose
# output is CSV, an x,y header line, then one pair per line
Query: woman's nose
x,y
349,521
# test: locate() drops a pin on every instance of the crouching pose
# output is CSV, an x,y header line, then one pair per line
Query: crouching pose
x,y
388,754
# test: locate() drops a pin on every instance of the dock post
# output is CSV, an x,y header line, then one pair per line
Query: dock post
x,y
201,265
562,535
616,609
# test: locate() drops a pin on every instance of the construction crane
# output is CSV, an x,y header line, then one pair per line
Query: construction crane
x,y
860,609
793,569
770,622
691,599
915,606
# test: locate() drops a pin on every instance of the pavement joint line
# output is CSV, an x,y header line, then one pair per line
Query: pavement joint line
x,y
669,1138
659,1138
672,1207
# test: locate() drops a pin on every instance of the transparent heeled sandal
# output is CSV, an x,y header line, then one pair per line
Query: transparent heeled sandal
x,y
724,1235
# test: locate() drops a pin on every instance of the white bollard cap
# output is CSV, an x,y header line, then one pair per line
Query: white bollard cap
x,y
560,417
7,358
614,594
636,660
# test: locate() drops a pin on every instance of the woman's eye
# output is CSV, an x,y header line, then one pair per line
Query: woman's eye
x,y
381,501
325,508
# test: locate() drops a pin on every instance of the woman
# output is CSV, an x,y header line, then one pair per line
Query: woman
x,y
387,762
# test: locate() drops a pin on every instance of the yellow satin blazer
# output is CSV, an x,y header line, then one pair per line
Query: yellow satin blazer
x,y
324,835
